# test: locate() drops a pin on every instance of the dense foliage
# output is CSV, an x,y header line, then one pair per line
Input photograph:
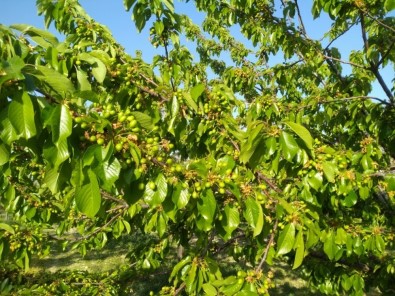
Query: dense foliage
x,y
239,158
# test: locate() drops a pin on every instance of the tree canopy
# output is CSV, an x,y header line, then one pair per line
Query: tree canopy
x,y
244,158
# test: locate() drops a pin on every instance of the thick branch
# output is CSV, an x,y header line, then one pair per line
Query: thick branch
x,y
373,67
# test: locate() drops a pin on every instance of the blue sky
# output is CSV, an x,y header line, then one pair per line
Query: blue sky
x,y
114,16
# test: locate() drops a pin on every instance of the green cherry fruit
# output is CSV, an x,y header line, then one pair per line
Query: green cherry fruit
x,y
178,168
118,147
78,119
84,125
133,123
141,186
100,141
92,138
195,194
221,190
152,185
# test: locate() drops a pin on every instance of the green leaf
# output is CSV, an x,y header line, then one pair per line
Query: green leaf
x,y
4,153
315,181
329,171
108,172
253,140
180,265
7,228
230,221
87,197
299,246
7,131
330,247
288,145
286,239
254,215
389,5
99,69
56,154
128,4
51,178
209,289
196,91
62,123
161,225
47,38
21,115
351,199
83,82
206,209
302,132
143,119
12,69
180,196
157,196
58,83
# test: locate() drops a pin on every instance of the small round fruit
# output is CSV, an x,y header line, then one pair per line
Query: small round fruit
x,y
118,147
152,185
195,194
78,119
84,125
141,186
78,62
133,123
178,168
221,190
92,138
100,141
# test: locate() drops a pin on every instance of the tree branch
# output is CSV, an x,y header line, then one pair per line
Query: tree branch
x,y
300,19
383,57
373,67
378,21
344,62
269,244
356,98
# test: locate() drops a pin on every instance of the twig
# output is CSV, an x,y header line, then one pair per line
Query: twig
x,y
378,21
180,289
108,196
343,62
338,36
386,54
356,98
300,19
102,227
269,182
168,63
148,80
269,244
